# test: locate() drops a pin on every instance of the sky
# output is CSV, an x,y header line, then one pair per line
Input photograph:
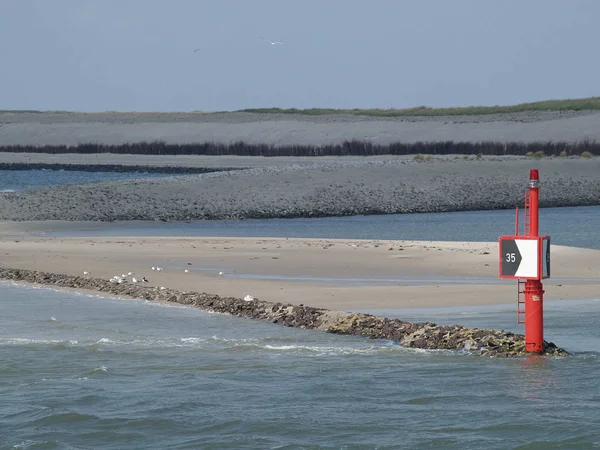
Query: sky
x,y
138,55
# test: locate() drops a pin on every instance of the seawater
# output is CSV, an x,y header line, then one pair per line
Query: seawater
x,y
19,180
80,372
573,226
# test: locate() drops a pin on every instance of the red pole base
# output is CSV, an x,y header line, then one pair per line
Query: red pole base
x,y
534,316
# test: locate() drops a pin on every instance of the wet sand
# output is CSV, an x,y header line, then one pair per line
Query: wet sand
x,y
334,274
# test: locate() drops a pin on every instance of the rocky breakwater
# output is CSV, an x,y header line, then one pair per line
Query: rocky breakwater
x,y
484,342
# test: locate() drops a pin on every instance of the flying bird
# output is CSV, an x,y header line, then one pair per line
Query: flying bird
x,y
272,42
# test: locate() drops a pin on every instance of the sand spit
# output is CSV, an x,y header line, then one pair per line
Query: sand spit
x,y
476,341
317,189
70,128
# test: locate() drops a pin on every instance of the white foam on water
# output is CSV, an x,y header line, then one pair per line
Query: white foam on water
x,y
26,341
317,350
164,304
309,349
156,343
30,444
236,340
193,340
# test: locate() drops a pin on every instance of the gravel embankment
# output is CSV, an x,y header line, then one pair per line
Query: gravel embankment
x,y
64,128
477,341
319,189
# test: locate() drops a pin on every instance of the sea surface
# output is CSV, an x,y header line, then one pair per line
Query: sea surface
x,y
87,372
84,371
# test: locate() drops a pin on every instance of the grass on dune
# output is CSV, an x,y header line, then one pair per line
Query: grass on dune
x,y
582,104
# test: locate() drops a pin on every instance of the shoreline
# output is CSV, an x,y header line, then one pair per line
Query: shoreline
x,y
474,341
339,274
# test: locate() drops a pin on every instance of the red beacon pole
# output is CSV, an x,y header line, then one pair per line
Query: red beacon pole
x,y
534,292
526,258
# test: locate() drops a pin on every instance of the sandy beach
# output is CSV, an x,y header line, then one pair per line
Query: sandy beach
x,y
345,275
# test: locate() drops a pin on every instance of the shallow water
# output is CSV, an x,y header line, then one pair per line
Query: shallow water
x,y
573,226
19,180
81,371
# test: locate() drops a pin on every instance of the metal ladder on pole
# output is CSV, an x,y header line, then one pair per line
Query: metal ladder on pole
x,y
527,221
520,301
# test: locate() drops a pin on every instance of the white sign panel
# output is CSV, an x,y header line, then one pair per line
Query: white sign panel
x,y
519,257
528,248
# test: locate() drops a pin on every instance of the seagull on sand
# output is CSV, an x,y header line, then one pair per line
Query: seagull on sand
x,y
272,42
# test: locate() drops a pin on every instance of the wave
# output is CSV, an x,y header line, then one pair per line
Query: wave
x,y
269,345
239,345
26,341
329,350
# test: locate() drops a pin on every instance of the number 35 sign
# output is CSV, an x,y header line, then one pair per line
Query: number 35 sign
x,y
525,257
